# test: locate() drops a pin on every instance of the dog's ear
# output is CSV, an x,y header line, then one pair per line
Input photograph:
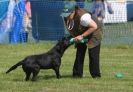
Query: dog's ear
x,y
60,40
68,37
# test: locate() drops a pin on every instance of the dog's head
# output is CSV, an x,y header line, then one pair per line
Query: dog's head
x,y
63,44
65,41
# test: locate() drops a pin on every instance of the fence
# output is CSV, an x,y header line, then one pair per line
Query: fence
x,y
47,22
11,25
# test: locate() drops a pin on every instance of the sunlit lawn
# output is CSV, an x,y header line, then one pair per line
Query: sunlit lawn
x,y
114,59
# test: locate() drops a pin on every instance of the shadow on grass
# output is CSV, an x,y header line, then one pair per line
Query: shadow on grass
x,y
39,78
18,80
47,77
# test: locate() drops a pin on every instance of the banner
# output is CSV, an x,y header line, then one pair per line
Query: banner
x,y
17,28
3,23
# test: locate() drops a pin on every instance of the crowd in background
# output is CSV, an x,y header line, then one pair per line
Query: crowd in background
x,y
17,22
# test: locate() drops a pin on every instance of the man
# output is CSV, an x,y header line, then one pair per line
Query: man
x,y
82,24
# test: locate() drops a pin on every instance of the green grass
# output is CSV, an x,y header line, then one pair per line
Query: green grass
x,y
114,59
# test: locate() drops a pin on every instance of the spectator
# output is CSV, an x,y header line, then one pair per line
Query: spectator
x,y
27,16
98,9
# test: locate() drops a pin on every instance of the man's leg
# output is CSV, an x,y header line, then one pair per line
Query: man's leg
x,y
94,66
79,61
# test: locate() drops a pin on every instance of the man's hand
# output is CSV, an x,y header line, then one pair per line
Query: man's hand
x,y
78,38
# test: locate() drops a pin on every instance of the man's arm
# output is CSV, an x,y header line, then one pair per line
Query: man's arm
x,y
91,28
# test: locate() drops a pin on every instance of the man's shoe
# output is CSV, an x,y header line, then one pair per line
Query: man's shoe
x,y
96,77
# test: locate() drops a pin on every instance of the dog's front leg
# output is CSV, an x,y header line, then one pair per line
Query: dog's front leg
x,y
56,66
56,69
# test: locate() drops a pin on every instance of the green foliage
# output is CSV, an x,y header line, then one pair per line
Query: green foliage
x,y
113,60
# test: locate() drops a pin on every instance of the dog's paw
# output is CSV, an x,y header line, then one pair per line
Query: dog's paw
x,y
33,79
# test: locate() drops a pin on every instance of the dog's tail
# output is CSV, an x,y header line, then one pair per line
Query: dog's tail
x,y
15,66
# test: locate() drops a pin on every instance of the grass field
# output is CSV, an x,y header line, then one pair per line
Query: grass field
x,y
114,59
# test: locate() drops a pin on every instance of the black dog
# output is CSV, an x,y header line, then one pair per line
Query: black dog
x,y
50,60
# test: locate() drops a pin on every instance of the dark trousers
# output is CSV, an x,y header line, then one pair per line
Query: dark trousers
x,y
94,65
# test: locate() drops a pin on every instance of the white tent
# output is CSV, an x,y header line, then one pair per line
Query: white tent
x,y
120,12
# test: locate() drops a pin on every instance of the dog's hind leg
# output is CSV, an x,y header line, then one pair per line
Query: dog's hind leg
x,y
27,72
27,75
35,73
34,77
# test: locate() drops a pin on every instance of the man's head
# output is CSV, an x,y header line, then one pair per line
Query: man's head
x,y
78,21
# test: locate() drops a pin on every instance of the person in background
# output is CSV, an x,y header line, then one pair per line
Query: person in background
x,y
27,16
98,9
86,26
